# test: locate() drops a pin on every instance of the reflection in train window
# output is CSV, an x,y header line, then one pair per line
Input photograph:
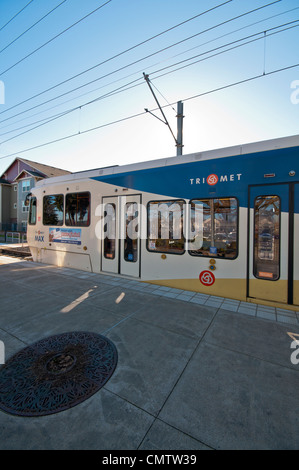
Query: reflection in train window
x,y
165,226
77,209
131,234
266,237
53,210
32,211
109,230
214,228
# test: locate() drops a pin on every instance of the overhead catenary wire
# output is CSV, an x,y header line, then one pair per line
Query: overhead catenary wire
x,y
127,65
40,124
142,113
236,31
117,55
32,26
109,94
124,87
55,37
140,71
146,77
227,50
133,83
48,119
11,19
33,123
165,99
265,35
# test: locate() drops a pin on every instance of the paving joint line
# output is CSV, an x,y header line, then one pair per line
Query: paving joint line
x,y
182,372
183,432
251,356
14,336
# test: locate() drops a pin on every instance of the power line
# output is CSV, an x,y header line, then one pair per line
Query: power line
x,y
45,121
142,113
55,37
126,66
235,31
227,50
32,26
122,88
242,81
80,96
116,56
163,96
11,19
31,124
40,124
128,86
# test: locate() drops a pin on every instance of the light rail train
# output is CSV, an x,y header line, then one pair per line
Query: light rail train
x,y
222,222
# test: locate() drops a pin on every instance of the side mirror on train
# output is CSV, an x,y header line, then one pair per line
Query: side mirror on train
x,y
27,199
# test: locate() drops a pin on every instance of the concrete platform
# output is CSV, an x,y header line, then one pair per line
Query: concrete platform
x,y
194,372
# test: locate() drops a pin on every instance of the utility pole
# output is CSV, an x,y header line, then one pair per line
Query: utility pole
x,y
180,117
179,140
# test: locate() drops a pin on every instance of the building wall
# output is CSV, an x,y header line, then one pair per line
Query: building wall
x,y
13,202
15,169
24,187
5,191
12,208
13,213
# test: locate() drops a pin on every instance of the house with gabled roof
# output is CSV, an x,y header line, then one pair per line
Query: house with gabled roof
x,y
15,183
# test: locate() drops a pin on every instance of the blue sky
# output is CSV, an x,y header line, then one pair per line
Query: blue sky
x,y
112,47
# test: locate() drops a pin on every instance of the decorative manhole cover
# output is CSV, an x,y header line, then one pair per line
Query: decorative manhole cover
x,y
56,373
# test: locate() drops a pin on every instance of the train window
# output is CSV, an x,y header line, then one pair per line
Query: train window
x,y
165,226
32,211
131,234
266,237
109,230
53,210
214,228
77,209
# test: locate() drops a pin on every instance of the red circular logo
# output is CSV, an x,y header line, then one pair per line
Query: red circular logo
x,y
207,278
212,179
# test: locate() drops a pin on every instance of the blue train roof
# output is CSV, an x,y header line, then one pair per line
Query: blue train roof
x,y
212,177
214,173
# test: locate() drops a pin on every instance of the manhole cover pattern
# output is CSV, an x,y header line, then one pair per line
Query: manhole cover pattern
x,y
56,373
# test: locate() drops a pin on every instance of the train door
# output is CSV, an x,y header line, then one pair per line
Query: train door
x,y
296,245
271,243
121,235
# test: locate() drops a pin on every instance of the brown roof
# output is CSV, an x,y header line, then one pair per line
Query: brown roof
x,y
46,169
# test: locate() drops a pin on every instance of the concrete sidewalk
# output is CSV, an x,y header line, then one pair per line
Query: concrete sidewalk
x,y
194,372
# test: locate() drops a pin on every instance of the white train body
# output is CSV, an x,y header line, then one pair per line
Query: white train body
x,y
222,222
